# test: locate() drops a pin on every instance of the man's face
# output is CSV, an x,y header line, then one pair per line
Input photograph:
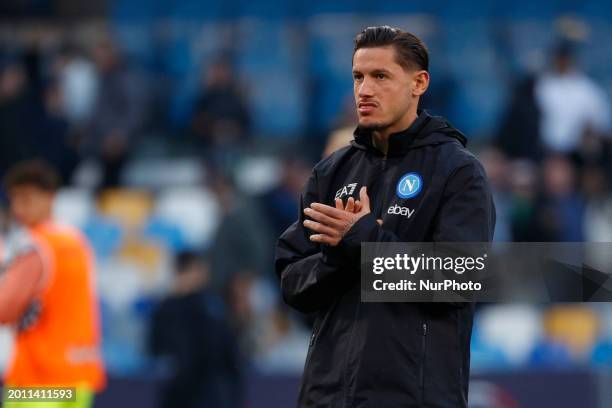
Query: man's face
x,y
384,91
30,205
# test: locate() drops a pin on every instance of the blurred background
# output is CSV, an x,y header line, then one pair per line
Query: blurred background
x,y
184,131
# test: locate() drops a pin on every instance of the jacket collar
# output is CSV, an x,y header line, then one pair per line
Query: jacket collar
x,y
425,130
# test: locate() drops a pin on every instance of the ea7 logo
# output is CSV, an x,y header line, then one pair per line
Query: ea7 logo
x,y
397,210
346,190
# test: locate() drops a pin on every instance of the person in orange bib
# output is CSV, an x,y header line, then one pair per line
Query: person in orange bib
x,y
55,310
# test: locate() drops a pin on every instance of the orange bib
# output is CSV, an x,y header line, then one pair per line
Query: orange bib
x,y
62,347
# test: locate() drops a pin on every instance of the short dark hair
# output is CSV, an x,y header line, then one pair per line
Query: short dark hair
x,y
36,173
410,50
185,259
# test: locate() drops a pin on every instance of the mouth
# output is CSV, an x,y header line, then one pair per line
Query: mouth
x,y
366,107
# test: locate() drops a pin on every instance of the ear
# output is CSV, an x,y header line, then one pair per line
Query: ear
x,y
421,82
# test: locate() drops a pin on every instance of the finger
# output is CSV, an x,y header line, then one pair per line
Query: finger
x,y
339,204
365,200
350,204
357,206
379,221
324,239
330,211
324,219
320,228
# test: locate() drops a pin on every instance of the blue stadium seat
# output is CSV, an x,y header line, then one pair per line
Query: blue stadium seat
x,y
549,354
602,354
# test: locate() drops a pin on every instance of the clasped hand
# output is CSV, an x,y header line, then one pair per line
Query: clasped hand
x,y
331,223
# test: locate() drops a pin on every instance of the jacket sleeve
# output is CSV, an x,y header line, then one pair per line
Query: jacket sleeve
x,y
311,275
466,213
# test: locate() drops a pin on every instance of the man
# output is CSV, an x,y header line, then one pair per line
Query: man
x,y
385,355
221,116
570,103
189,328
121,110
58,337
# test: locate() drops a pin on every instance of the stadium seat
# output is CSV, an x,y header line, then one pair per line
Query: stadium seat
x,y
257,175
485,355
574,326
551,354
148,256
602,354
515,329
105,236
156,174
130,208
166,233
74,206
194,210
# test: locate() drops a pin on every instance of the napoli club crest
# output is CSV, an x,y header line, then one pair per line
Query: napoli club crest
x,y
409,185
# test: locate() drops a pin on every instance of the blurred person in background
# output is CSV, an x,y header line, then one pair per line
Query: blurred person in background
x,y
281,203
243,230
570,102
561,206
70,95
497,168
19,110
32,108
61,344
253,302
596,184
598,212
189,329
78,82
119,112
524,195
594,150
518,135
242,317
221,117
56,145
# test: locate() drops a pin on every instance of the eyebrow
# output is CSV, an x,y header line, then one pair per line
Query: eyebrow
x,y
381,71
374,71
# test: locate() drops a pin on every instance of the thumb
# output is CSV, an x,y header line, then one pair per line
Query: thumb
x,y
365,200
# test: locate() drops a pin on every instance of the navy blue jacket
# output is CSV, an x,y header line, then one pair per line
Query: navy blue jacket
x,y
387,355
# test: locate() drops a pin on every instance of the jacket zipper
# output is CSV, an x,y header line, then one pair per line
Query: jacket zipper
x,y
423,353
311,342
385,187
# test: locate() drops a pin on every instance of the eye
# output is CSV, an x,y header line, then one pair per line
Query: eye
x,y
380,75
357,77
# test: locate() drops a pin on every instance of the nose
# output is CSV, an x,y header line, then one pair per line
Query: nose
x,y
365,89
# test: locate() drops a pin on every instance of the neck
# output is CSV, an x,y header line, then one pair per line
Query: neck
x,y
380,143
380,138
